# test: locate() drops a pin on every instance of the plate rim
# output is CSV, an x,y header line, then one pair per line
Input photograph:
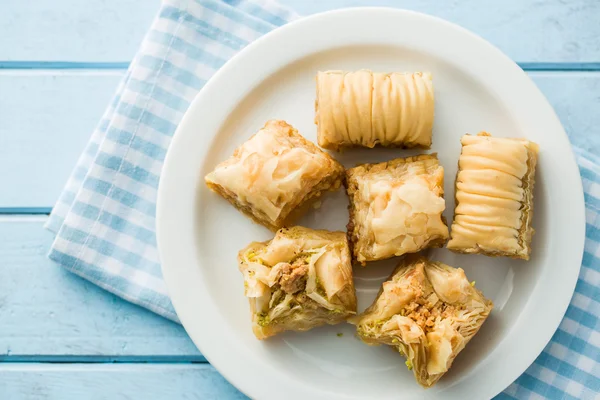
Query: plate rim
x,y
164,199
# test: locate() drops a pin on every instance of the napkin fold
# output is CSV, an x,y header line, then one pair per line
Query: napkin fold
x,y
105,218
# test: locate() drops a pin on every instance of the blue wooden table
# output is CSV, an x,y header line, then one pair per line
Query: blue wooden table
x,y
60,61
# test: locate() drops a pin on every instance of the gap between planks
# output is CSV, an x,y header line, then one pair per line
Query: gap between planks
x,y
101,359
17,213
122,65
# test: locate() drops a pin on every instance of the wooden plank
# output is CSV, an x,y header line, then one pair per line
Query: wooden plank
x,y
47,119
531,30
73,30
111,30
113,381
49,312
576,100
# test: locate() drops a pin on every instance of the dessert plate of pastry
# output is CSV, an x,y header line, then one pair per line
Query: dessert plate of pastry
x,y
370,204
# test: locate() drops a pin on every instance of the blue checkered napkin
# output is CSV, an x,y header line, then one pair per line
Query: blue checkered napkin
x,y
104,219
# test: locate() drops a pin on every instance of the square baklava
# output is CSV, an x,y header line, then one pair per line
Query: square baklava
x,y
396,207
428,311
275,175
494,197
299,280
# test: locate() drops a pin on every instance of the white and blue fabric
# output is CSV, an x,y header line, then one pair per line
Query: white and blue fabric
x,y
105,218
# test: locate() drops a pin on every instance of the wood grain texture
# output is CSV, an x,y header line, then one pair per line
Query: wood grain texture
x,y
47,311
74,30
111,30
530,30
575,97
113,382
47,119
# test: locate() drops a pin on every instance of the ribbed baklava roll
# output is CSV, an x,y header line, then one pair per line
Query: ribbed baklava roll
x,y
365,108
494,197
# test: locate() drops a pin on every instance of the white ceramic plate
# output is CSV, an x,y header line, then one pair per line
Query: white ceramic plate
x,y
476,88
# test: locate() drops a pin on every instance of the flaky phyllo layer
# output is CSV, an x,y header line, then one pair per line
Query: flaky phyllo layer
x,y
273,173
365,108
396,207
494,196
297,281
429,312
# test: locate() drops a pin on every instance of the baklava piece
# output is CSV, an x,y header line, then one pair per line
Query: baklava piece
x,y
275,175
428,311
365,108
299,280
396,207
494,197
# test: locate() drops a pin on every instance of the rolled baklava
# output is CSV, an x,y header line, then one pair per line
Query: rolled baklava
x,y
428,311
299,280
274,175
365,108
396,207
494,197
